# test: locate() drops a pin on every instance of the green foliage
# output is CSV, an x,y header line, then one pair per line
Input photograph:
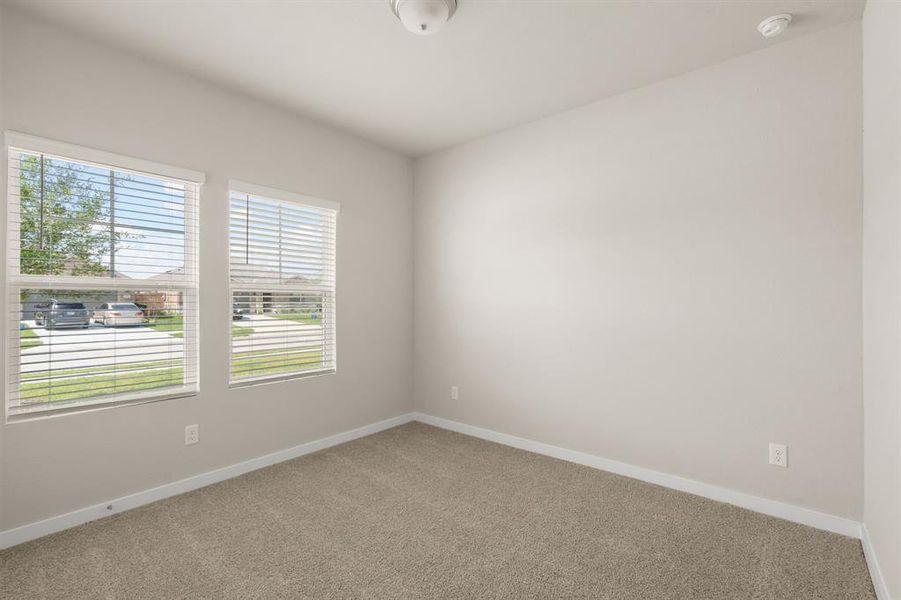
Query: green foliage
x,y
65,230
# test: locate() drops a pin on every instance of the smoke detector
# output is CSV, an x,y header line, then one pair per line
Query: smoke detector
x,y
424,17
773,26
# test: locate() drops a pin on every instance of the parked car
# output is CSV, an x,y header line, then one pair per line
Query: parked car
x,y
62,314
238,312
119,314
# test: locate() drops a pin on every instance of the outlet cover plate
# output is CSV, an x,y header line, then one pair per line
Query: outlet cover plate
x,y
779,455
192,434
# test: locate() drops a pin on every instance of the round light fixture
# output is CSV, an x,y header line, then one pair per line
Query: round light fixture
x,y
424,17
773,26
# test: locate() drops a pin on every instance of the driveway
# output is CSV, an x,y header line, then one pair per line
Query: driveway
x,y
99,346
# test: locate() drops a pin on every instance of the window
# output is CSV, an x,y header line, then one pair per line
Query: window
x,y
282,277
101,278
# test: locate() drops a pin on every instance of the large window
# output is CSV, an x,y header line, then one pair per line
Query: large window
x,y
282,277
101,278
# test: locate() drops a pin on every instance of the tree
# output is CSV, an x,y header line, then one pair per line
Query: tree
x,y
65,224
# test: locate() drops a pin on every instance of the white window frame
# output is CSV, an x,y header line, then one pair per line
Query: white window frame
x,y
15,142
277,195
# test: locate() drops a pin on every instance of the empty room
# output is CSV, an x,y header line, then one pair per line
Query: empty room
x,y
427,299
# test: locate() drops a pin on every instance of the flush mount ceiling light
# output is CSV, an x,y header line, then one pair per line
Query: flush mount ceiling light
x,y
773,26
424,17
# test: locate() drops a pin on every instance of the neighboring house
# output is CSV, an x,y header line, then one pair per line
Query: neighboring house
x,y
159,301
267,302
154,302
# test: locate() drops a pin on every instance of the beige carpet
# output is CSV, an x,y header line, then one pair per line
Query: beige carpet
x,y
418,512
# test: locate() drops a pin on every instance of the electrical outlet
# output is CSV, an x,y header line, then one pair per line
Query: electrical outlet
x,y
455,393
778,455
192,434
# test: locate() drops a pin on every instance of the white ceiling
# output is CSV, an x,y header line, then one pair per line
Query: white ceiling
x,y
497,64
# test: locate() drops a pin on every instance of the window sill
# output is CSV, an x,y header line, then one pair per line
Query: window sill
x,y
265,379
38,412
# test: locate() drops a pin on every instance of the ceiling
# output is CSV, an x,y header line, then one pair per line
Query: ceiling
x,y
498,63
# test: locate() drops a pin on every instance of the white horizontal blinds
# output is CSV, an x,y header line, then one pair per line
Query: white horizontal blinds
x,y
102,294
282,277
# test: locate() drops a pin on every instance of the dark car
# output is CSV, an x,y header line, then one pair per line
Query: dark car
x,y
238,312
62,314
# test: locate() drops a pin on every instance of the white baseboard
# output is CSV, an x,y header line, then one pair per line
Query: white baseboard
x,y
774,508
873,564
38,529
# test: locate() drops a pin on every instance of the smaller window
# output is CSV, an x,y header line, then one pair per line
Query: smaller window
x,y
282,278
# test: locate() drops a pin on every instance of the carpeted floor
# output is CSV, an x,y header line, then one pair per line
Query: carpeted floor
x,y
418,512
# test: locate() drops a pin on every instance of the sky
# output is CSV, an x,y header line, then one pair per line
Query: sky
x,y
281,240
148,213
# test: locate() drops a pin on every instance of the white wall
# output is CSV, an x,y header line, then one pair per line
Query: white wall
x,y
669,278
882,284
60,86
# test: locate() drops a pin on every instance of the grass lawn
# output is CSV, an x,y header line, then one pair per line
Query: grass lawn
x,y
87,382
268,362
240,331
173,325
29,339
98,385
305,318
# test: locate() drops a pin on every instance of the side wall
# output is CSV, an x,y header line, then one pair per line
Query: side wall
x,y
59,85
882,285
668,278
